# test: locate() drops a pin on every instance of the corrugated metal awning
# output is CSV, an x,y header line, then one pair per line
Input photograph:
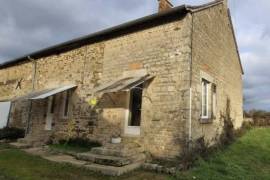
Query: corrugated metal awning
x,y
44,93
122,84
53,92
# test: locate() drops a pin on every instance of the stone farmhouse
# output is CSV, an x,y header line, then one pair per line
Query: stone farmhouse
x,y
159,83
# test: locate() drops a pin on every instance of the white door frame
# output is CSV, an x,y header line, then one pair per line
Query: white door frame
x,y
4,113
49,116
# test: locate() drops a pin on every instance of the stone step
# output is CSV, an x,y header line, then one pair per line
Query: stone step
x,y
65,159
110,160
104,160
31,142
119,151
112,170
23,141
20,145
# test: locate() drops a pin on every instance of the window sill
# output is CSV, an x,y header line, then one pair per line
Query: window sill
x,y
206,120
131,135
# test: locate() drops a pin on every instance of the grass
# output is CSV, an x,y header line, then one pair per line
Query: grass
x,y
248,158
17,165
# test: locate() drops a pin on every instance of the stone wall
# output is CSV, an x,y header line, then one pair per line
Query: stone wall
x,y
214,53
164,52
17,81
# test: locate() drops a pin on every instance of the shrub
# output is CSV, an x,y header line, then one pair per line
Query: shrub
x,y
200,148
81,142
11,133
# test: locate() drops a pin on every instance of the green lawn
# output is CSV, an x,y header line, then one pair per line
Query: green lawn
x,y
247,158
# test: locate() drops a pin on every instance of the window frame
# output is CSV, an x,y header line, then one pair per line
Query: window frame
x,y
214,100
204,81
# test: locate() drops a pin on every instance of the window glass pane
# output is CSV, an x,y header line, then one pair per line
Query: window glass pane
x,y
204,98
214,100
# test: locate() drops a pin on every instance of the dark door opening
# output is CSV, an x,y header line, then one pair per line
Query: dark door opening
x,y
135,105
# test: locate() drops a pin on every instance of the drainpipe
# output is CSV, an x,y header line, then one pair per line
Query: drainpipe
x,y
34,72
190,90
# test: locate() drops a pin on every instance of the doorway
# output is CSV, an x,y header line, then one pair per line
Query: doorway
x,y
50,113
133,113
4,113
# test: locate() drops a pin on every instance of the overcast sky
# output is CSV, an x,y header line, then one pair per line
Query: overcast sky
x,y
29,25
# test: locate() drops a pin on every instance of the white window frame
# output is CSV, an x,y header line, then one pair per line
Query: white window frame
x,y
214,100
206,100
65,96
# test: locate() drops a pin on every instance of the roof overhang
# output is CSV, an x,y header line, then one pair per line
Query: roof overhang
x,y
42,94
122,84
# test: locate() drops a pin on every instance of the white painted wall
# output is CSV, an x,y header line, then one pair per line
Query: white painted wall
x,y
4,111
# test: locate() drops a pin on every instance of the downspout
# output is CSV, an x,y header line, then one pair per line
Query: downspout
x,y
9,113
190,89
34,71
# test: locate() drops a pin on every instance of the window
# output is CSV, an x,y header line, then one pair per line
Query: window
x,y
214,100
135,106
65,103
205,100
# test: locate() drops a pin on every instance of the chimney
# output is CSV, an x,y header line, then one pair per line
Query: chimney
x,y
225,3
164,5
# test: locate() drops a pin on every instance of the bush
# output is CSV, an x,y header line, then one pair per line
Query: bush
x,y
11,133
189,155
80,142
201,149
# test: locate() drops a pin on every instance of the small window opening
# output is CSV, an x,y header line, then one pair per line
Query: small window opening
x,y
214,100
135,105
204,98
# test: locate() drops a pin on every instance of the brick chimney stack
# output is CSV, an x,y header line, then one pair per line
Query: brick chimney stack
x,y
164,5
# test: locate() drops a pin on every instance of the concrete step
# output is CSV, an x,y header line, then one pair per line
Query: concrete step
x,y
110,160
20,145
65,159
104,160
34,140
119,150
111,170
22,140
